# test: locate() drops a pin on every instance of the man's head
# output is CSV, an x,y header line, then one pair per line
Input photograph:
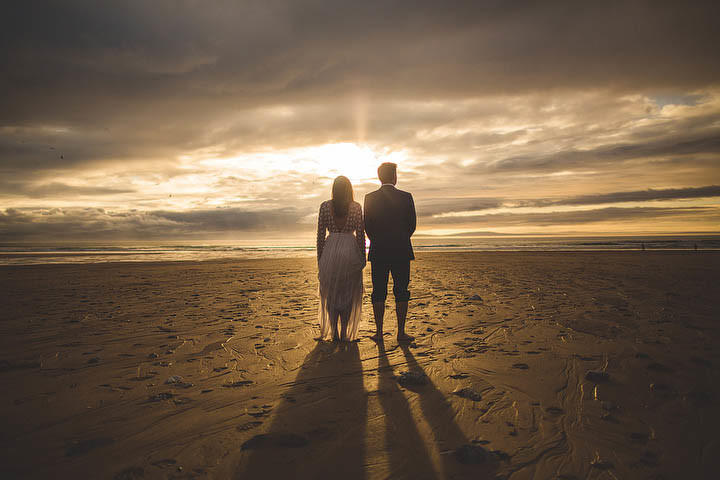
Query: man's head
x,y
387,173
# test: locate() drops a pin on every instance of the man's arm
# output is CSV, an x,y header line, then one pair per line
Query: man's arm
x,y
413,217
369,218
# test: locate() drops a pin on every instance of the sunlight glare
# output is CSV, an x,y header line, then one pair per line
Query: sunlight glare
x,y
357,162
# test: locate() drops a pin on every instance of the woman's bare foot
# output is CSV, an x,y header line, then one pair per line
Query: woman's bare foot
x,y
404,338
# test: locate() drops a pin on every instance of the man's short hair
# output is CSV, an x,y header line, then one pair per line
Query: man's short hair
x,y
387,172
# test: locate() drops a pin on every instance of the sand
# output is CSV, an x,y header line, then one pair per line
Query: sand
x,y
526,365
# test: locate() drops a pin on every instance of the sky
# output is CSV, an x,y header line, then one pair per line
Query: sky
x,y
228,120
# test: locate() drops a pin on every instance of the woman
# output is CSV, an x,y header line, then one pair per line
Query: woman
x,y
341,259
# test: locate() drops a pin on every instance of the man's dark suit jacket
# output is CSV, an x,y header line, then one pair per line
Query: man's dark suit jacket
x,y
389,222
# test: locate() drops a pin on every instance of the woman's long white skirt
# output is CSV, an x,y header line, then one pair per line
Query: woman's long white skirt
x,y
341,285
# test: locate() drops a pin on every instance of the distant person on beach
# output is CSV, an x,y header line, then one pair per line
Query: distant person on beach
x,y
341,259
390,222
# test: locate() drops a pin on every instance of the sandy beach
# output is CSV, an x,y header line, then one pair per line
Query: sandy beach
x,y
525,365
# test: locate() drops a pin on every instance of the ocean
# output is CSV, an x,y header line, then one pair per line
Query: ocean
x,y
24,254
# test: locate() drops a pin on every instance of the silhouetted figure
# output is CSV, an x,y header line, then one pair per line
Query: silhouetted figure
x,y
341,259
390,222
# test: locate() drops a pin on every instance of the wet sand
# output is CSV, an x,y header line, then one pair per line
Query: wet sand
x,y
526,365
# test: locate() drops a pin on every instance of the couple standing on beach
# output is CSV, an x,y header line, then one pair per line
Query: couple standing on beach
x,y
389,221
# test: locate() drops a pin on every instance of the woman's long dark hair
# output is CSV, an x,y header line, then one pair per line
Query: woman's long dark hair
x,y
342,195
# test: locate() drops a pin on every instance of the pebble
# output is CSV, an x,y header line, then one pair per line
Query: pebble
x,y
475,297
661,389
412,379
247,426
239,383
521,366
468,393
153,355
158,397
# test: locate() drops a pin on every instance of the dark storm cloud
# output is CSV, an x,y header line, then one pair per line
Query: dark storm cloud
x,y
57,189
437,206
668,147
636,196
75,60
233,219
610,214
92,223
97,223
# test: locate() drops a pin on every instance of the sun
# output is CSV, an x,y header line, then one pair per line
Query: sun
x,y
358,163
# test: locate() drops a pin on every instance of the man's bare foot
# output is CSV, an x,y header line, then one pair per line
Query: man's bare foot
x,y
405,338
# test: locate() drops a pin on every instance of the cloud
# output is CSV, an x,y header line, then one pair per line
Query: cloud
x,y
609,214
84,224
636,196
131,59
440,206
55,189
437,206
158,112
678,145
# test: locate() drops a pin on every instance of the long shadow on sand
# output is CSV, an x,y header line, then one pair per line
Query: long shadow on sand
x,y
319,427
407,454
414,459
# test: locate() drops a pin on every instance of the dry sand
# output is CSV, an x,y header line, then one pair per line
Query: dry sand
x,y
498,383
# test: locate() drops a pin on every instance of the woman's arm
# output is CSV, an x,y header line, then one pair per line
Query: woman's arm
x,y
321,227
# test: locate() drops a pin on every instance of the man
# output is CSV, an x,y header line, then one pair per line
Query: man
x,y
389,223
